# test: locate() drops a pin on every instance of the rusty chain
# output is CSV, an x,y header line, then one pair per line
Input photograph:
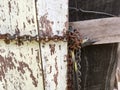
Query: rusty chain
x,y
19,39
70,36
74,58
75,42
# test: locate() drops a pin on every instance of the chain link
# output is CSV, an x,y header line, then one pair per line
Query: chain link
x,y
74,51
78,61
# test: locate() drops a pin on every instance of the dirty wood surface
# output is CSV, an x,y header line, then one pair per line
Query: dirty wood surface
x,y
106,30
99,63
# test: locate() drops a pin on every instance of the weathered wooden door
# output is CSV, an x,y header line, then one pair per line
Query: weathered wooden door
x,y
33,52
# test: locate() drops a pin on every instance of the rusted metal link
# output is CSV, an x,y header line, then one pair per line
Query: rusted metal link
x,y
70,73
74,45
19,39
74,39
72,36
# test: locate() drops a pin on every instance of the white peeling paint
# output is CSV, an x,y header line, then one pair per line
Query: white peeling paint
x,y
23,14
53,20
20,17
54,58
22,71
4,17
55,12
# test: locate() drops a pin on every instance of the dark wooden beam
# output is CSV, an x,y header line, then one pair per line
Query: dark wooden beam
x,y
106,30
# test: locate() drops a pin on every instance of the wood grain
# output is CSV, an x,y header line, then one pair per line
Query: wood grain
x,y
106,30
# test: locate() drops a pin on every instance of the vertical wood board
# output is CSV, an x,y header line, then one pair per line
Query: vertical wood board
x,y
20,66
54,58
53,20
52,17
4,17
18,17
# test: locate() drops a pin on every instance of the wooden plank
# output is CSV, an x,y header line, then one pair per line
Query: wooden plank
x,y
52,17
20,66
99,63
53,20
54,57
4,17
106,30
23,17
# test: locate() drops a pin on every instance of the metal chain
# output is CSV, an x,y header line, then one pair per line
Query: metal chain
x,y
75,43
78,61
74,51
19,39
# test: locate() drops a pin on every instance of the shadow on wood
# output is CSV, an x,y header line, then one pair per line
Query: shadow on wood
x,y
99,64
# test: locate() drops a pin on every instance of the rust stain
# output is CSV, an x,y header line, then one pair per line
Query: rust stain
x,y
7,37
21,55
52,48
33,20
46,59
32,50
37,57
9,5
17,9
5,64
45,23
15,60
7,41
21,67
59,47
50,69
11,53
17,31
38,61
24,26
28,20
56,75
